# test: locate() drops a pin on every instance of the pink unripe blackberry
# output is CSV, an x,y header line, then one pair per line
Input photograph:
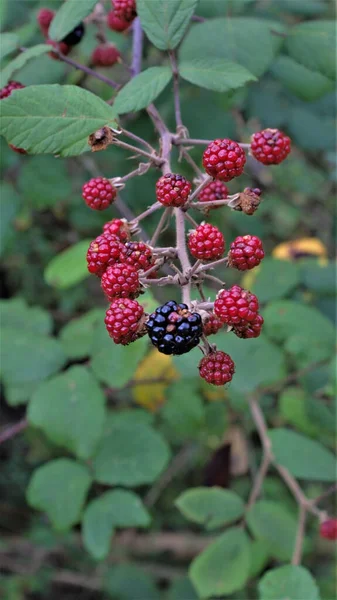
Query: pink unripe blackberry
x,y
224,159
103,252
44,19
246,252
212,325
217,368
9,88
173,190
120,228
328,529
137,254
105,55
120,281
206,242
216,190
251,329
98,193
115,23
125,9
270,146
125,320
236,305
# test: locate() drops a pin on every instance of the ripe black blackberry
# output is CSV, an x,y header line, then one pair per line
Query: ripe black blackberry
x,y
74,37
174,329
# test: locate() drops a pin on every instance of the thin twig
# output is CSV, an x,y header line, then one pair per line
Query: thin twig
x,y
161,224
190,160
137,47
8,432
177,107
137,139
138,151
298,548
86,70
206,180
155,206
182,252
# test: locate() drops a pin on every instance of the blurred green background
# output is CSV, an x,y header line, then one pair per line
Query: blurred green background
x,y
52,314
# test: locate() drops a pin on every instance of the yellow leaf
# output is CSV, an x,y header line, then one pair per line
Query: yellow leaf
x,y
155,366
302,248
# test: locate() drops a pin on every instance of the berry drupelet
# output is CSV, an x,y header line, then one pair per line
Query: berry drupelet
x,y
246,252
224,159
120,281
173,190
270,146
98,193
105,55
206,242
103,252
120,228
174,329
217,368
125,321
236,306
125,9
216,190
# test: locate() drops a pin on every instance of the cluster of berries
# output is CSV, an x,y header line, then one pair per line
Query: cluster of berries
x,y
44,19
122,15
121,263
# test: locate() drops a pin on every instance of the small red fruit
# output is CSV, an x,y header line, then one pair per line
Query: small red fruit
x,y
212,325
120,281
217,368
125,9
118,227
125,321
236,306
206,242
44,18
249,330
137,254
224,159
103,252
173,190
328,529
9,88
270,146
98,193
115,23
246,252
60,46
216,190
105,55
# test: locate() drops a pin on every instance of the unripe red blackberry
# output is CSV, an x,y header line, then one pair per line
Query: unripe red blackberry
x,y
9,88
98,193
125,321
125,9
17,150
216,190
328,529
224,159
206,242
250,329
137,254
120,281
173,190
118,227
246,252
105,55
44,18
270,146
60,46
217,368
115,23
236,305
103,252
212,325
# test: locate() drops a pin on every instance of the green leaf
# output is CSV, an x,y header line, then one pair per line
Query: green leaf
x,y
258,362
303,82
128,582
211,507
27,357
218,75
8,43
304,458
308,335
181,589
17,314
44,181
271,522
53,119
260,557
142,89
223,567
183,411
310,44
293,409
70,410
130,455
59,488
10,203
115,364
69,267
289,582
166,21
248,42
18,62
317,277
284,275
77,336
118,508
68,17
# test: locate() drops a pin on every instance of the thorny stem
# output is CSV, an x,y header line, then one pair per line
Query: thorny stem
x,y
161,224
212,265
177,107
153,157
190,160
182,252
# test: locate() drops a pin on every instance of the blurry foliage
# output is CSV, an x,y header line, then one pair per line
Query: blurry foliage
x,y
54,345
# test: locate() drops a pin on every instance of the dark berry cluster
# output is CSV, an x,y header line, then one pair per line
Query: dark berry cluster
x,y
174,329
